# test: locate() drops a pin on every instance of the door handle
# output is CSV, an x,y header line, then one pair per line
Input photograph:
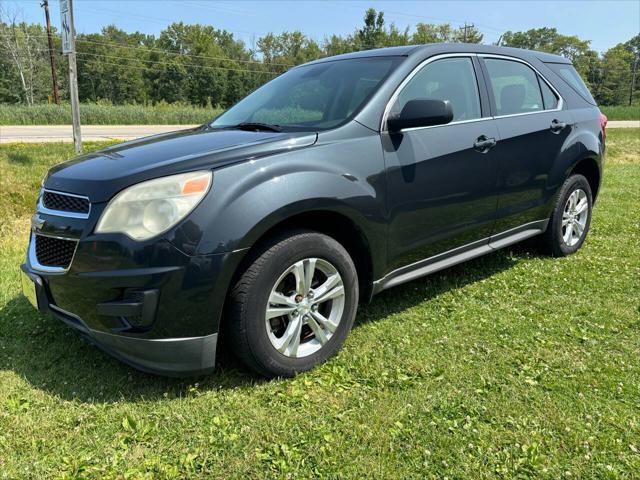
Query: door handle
x,y
557,126
483,144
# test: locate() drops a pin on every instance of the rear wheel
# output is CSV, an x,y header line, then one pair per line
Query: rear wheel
x,y
571,218
294,305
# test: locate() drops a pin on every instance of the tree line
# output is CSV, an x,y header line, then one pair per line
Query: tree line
x,y
198,64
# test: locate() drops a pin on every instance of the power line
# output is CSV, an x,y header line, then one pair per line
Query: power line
x,y
169,52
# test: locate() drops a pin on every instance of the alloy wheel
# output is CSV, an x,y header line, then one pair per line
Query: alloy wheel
x,y
305,307
574,217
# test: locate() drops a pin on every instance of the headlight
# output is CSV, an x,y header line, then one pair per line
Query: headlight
x,y
150,208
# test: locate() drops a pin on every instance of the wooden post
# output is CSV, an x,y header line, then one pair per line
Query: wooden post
x,y
69,49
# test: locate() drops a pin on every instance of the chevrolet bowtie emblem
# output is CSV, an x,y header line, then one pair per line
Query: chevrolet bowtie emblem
x,y
36,222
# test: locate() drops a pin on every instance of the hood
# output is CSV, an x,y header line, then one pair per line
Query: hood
x,y
101,174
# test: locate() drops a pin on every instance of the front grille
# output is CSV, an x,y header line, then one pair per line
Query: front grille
x,y
54,252
65,203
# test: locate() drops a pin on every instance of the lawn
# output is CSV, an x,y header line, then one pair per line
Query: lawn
x,y
510,366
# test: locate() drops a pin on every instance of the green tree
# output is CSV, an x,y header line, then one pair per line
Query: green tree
x,y
23,48
616,76
438,33
547,40
111,66
280,52
372,34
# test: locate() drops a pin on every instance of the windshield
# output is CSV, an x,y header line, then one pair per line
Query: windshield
x,y
312,97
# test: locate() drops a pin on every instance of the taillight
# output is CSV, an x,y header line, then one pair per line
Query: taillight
x,y
603,125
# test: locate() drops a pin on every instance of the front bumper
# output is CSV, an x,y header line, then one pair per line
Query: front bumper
x,y
179,357
178,338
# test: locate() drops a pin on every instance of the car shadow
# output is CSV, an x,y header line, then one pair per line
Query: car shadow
x,y
56,359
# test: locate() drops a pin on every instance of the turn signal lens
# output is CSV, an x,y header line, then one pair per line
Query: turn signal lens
x,y
196,185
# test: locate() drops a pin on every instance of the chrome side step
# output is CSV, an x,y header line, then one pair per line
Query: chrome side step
x,y
459,255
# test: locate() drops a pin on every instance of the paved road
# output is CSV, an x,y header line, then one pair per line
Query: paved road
x,y
62,133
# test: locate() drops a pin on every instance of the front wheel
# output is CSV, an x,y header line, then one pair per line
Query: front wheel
x,y
571,218
294,305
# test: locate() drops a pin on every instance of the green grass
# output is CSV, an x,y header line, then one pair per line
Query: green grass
x,y
622,112
513,365
96,114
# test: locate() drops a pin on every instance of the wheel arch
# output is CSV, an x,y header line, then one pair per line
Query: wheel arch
x,y
588,167
337,225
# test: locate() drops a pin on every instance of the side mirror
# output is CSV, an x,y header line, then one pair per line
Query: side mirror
x,y
421,113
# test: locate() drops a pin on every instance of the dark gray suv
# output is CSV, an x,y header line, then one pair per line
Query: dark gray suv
x,y
339,179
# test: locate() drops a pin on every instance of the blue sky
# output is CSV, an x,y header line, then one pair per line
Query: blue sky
x,y
605,23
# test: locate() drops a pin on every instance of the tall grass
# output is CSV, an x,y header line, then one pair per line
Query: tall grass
x,y
163,114
622,112
100,114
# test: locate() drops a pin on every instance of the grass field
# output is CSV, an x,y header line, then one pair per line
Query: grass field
x,y
622,112
510,366
92,114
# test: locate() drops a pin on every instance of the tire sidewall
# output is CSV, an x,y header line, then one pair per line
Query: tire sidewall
x,y
571,184
305,246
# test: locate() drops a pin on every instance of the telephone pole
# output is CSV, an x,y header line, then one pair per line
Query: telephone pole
x,y
633,78
69,49
465,28
52,54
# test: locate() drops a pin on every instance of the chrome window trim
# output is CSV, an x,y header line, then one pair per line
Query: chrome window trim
x,y
553,89
414,72
40,208
33,259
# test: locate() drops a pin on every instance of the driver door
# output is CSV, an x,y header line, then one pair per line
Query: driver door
x,y
441,185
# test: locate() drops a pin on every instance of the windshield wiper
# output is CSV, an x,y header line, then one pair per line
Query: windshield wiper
x,y
256,126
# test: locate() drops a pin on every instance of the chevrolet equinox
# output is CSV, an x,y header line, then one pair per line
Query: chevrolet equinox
x,y
336,180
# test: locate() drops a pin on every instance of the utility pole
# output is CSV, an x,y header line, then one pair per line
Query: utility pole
x,y
465,28
69,49
633,78
52,54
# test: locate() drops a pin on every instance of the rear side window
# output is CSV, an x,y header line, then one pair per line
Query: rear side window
x,y
569,75
515,87
452,79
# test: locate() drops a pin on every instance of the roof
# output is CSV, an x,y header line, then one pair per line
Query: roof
x,y
439,48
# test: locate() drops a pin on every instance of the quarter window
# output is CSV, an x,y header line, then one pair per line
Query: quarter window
x,y
451,79
515,87
549,98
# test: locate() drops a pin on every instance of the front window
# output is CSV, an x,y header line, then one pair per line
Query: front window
x,y
451,79
312,97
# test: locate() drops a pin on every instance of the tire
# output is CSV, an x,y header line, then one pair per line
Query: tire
x,y
263,339
556,241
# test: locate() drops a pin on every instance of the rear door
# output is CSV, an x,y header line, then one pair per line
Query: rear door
x,y
533,128
441,182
